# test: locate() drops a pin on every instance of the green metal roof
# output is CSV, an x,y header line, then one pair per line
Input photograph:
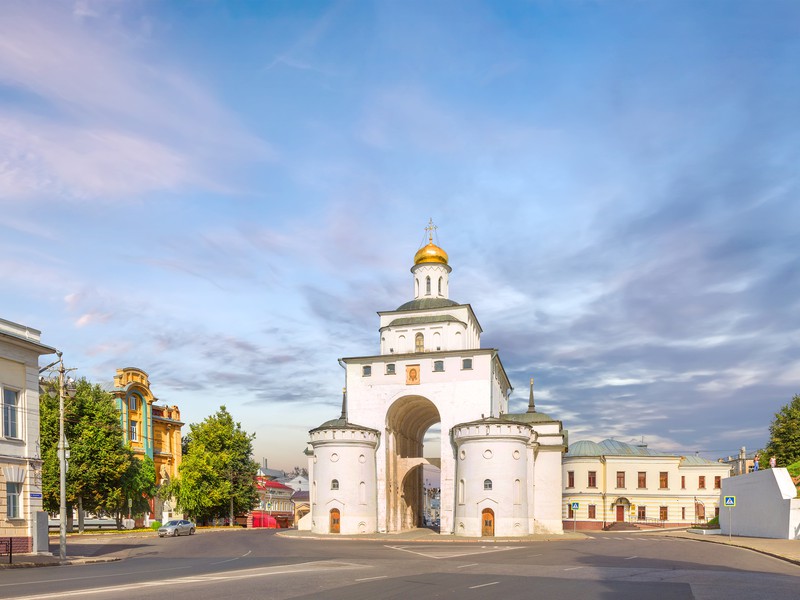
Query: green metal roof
x,y
420,320
425,303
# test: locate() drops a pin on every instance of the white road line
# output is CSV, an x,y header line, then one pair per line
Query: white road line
x,y
444,554
232,559
475,587
241,574
465,566
631,557
371,578
573,568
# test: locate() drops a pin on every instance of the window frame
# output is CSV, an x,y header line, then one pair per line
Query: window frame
x,y
641,512
133,431
391,369
366,370
591,479
701,482
620,480
438,366
592,511
663,480
419,342
464,366
335,484
663,513
570,479
717,482
487,485
641,480
11,414
16,502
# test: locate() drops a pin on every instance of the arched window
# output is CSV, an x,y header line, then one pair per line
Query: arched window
x,y
419,343
132,402
428,286
416,288
487,484
461,491
335,484
440,286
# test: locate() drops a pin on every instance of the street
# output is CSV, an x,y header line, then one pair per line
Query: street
x,y
259,564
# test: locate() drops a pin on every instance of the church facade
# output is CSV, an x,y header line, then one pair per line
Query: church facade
x,y
500,473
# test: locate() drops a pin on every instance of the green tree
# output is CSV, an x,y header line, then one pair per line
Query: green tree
x,y
217,474
99,459
784,433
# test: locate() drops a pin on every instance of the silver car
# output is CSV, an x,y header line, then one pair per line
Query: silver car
x,y
176,527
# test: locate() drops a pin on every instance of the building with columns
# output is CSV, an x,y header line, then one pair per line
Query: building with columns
x,y
151,429
500,473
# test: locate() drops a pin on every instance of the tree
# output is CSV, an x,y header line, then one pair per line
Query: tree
x,y
784,432
299,472
99,458
217,474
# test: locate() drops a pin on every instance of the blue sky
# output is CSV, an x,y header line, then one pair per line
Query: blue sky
x,y
224,194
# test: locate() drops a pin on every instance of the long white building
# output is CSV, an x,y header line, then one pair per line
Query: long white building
x,y
500,473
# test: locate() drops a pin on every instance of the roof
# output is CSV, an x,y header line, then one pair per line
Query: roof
x,y
616,448
426,303
272,485
341,423
423,320
530,417
301,495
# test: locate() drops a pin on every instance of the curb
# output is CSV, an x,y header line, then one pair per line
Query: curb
x,y
715,540
59,563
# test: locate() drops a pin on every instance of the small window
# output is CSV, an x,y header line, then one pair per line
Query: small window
x,y
440,286
620,479
592,479
592,511
662,513
427,286
134,436
487,484
132,403
701,482
641,512
390,370
570,479
438,366
642,480
10,413
466,364
683,482
12,500
683,513
717,482
334,484
461,491
663,480
366,371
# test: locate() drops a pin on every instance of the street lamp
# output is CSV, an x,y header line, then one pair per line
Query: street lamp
x,y
64,388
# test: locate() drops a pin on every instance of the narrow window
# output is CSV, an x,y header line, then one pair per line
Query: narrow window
x,y
132,403
570,512
662,513
683,482
663,480
701,483
461,491
620,479
592,479
466,364
427,286
390,369
641,512
416,288
134,436
592,511
334,484
642,480
440,286
438,366
12,500
366,371
570,479
683,513
10,411
717,481
419,343
487,484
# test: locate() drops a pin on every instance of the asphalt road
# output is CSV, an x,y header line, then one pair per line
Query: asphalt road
x,y
258,564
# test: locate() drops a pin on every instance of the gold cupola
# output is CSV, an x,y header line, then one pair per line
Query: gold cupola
x,y
430,253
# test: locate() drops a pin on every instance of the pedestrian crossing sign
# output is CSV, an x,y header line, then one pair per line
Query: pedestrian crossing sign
x,y
575,506
729,501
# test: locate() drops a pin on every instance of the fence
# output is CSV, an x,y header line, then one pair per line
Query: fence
x,y
7,547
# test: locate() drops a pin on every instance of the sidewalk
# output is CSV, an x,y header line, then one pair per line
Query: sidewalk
x,y
788,550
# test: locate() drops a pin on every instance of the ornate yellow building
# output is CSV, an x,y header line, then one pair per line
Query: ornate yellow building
x,y
151,429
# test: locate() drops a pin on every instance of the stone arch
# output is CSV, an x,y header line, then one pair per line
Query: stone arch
x,y
407,420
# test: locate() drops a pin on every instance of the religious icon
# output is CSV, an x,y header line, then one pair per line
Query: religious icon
x,y
412,374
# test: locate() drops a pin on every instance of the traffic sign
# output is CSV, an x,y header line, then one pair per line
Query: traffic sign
x,y
729,501
575,506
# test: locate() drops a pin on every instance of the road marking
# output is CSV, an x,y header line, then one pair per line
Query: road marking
x,y
475,587
631,557
469,565
573,568
232,559
452,553
232,575
371,578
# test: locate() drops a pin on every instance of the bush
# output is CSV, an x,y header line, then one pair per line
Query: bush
x,y
713,523
155,525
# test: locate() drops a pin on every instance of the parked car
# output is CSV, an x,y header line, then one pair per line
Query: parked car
x,y
176,527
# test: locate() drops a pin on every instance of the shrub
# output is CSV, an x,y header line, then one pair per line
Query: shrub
x,y
155,525
713,522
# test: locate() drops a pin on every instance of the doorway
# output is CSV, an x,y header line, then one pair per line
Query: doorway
x,y
335,518
487,520
620,513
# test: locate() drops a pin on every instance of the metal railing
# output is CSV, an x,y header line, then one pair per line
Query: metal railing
x,y
652,521
7,547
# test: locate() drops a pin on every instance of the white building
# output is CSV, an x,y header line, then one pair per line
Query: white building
x,y
500,473
617,482
20,460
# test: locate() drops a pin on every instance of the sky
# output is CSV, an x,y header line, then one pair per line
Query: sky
x,y
225,193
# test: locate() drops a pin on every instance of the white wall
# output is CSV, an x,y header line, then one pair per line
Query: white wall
x,y
766,505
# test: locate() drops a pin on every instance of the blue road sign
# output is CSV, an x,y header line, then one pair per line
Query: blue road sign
x,y
729,501
575,506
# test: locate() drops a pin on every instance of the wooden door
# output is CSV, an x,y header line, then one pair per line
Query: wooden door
x,y
335,517
620,513
487,518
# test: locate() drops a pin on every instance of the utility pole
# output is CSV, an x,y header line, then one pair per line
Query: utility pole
x,y
62,464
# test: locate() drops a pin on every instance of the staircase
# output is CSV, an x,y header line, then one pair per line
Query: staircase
x,y
621,527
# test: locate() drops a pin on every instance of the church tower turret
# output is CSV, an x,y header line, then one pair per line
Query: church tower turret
x,y
431,270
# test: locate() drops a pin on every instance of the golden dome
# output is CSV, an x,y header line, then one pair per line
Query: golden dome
x,y
431,253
